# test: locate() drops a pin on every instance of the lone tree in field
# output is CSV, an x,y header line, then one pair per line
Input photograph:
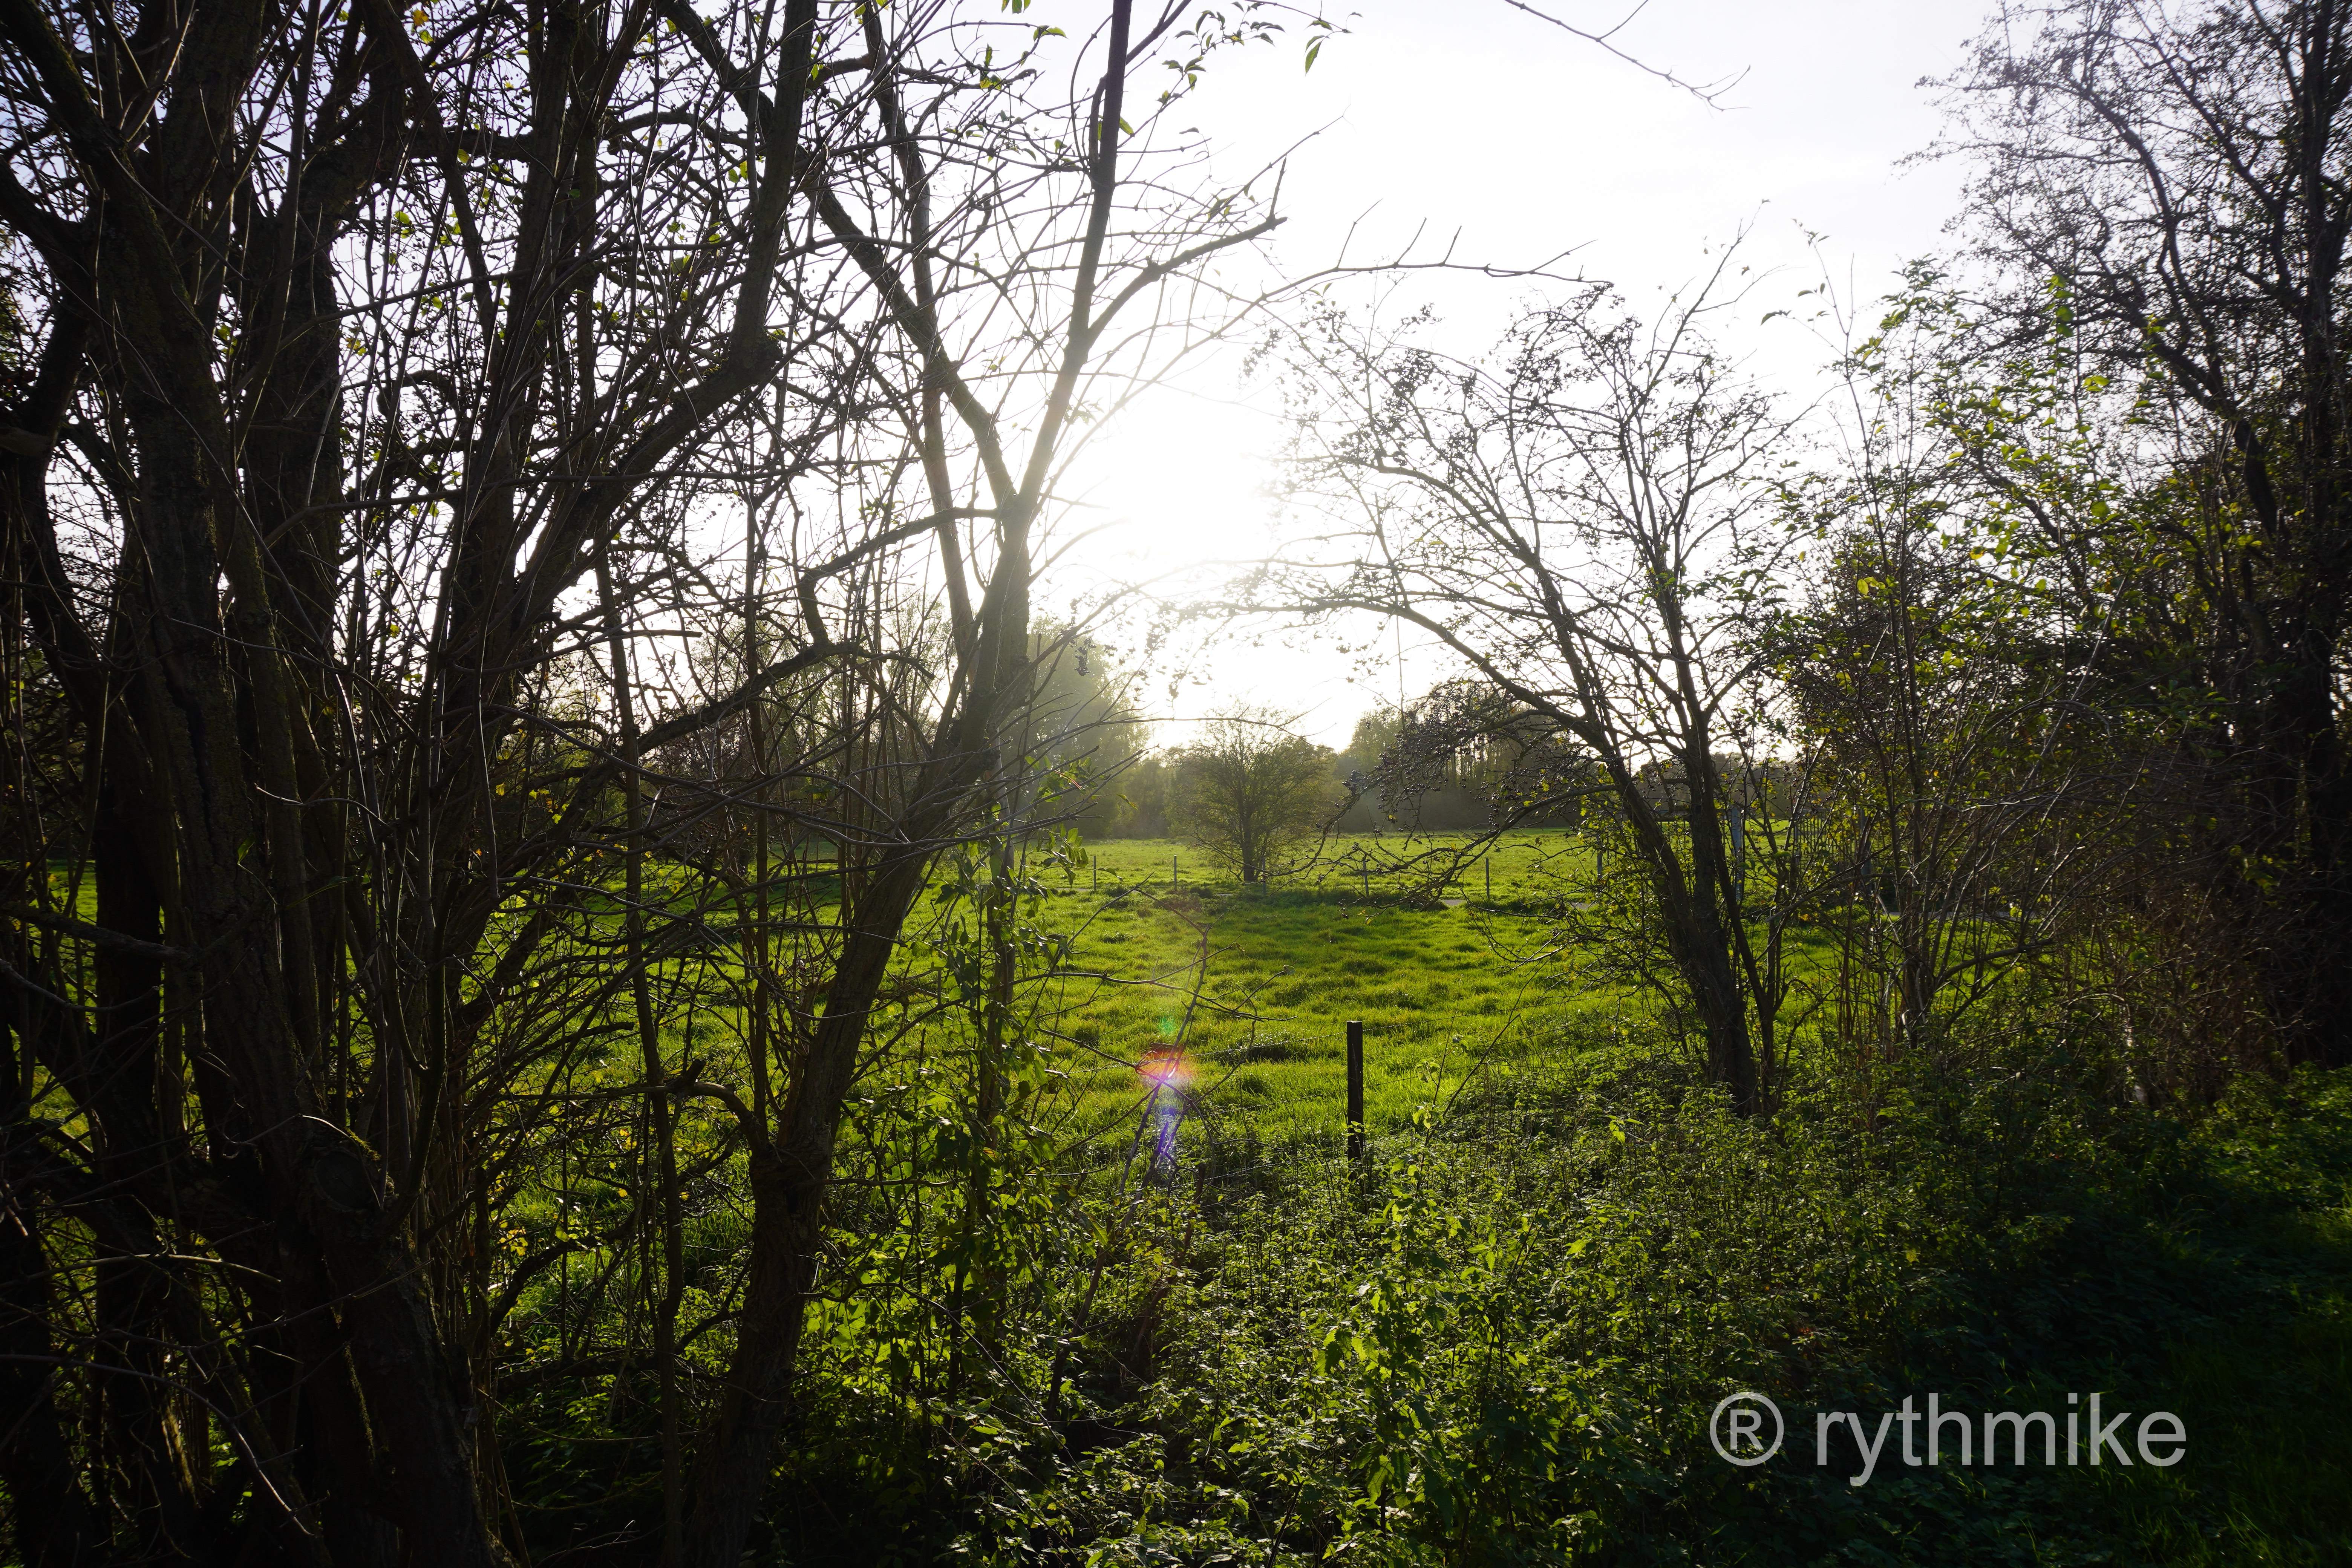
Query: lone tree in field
x,y
1250,787
1580,519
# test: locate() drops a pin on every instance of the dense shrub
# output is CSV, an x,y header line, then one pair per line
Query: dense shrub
x,y
1500,1344
1500,1341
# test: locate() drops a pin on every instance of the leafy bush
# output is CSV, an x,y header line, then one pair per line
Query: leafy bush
x,y
1500,1342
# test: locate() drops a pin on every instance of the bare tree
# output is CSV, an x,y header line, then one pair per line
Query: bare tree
x,y
1583,521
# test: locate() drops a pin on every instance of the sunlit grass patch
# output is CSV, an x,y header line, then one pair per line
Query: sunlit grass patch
x,y
1163,937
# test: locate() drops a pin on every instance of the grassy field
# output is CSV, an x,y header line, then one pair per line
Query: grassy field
x,y
1253,985
1450,957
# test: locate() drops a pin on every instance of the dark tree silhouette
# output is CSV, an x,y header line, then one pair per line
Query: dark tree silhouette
x,y
2170,181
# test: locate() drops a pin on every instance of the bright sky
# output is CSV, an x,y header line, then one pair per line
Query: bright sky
x,y
1469,118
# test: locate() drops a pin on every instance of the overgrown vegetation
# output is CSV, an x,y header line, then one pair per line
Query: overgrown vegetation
x,y
1501,1341
564,996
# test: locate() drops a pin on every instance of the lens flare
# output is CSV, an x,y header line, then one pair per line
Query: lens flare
x,y
1166,1069
1170,1075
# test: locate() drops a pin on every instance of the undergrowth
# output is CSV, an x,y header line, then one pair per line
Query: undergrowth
x,y
1501,1341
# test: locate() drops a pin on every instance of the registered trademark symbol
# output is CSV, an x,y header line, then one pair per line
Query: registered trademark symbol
x,y
1736,1428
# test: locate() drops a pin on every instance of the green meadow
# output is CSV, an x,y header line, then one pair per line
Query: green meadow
x,y
1454,951
1254,983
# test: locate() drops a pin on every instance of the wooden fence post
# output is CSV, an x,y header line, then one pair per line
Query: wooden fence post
x,y
1354,1089
1738,857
